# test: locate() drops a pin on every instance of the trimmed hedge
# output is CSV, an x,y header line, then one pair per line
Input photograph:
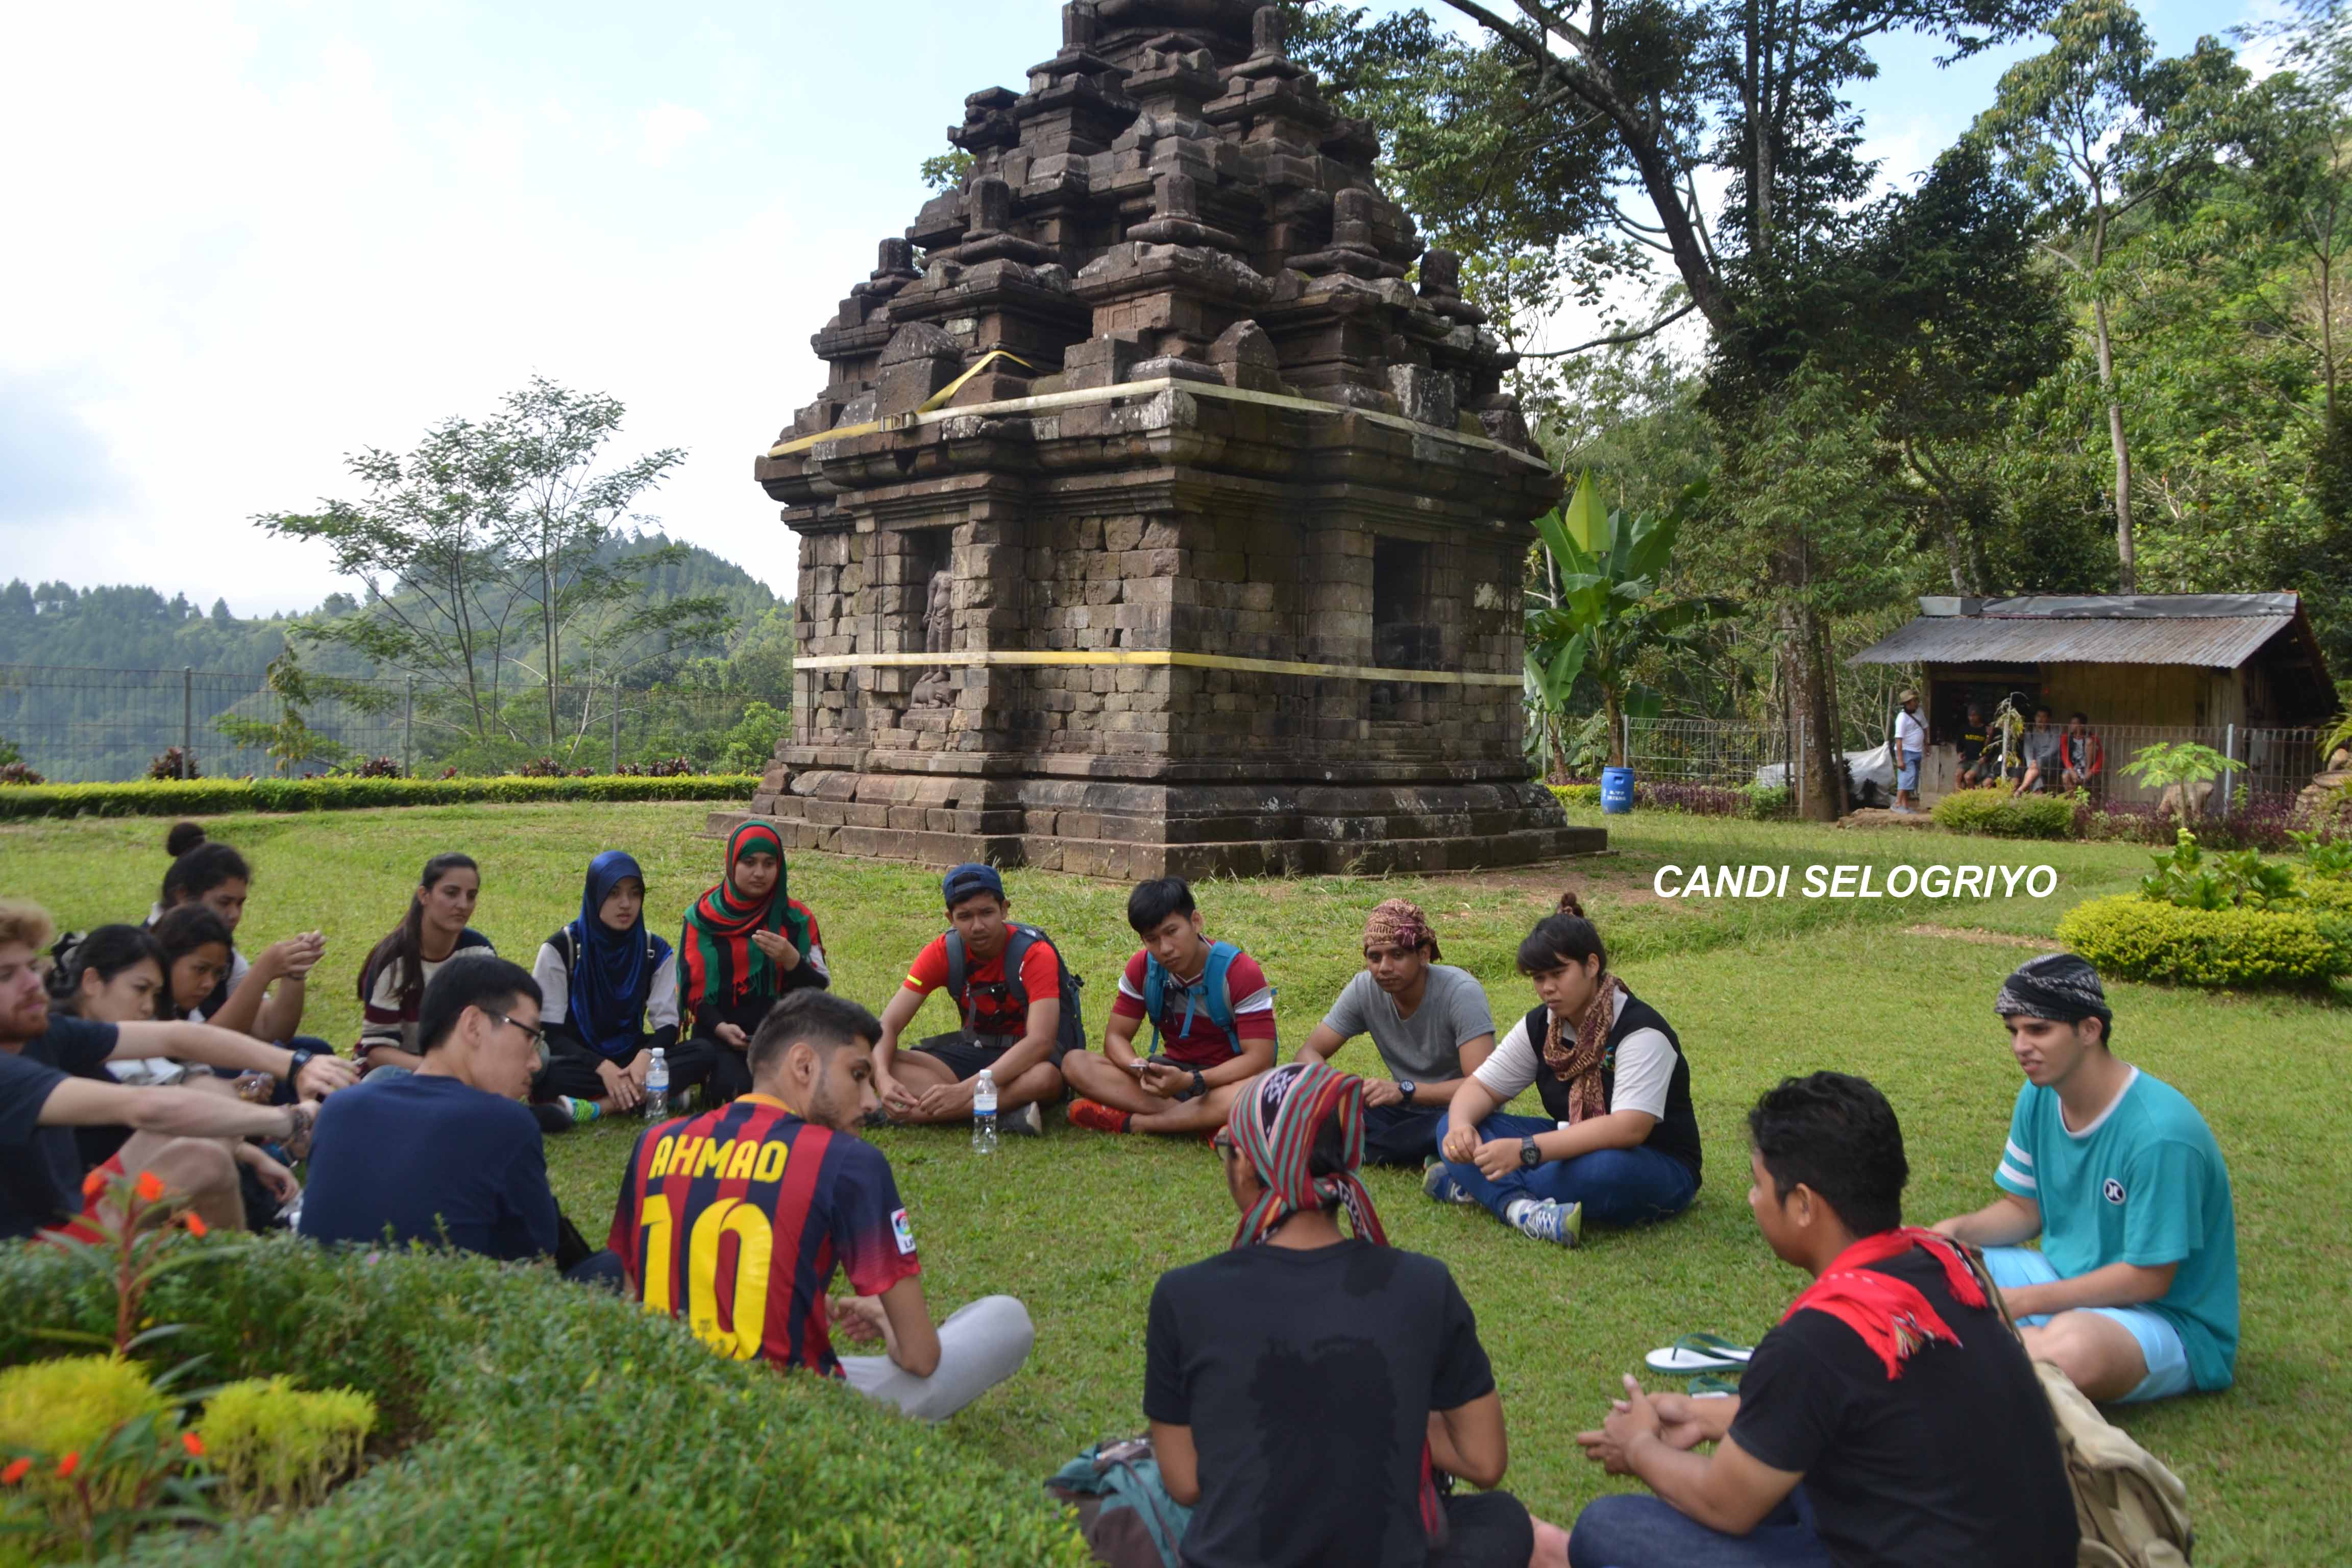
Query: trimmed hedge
x,y
2144,939
1576,793
1992,812
528,1420
199,797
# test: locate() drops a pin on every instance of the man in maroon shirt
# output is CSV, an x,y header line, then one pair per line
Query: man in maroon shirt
x,y
1212,1016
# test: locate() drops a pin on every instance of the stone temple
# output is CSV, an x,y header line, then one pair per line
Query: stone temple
x,y
1150,521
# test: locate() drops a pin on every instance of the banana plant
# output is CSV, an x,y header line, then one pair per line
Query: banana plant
x,y
1599,607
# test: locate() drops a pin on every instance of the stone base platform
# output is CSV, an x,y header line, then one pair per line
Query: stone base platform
x,y
1131,831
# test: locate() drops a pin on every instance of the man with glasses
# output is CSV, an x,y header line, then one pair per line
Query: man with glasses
x,y
450,1153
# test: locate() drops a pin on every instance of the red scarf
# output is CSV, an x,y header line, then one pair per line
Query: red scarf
x,y
1892,1316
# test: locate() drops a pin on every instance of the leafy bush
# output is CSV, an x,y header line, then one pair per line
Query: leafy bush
x,y
18,773
371,768
172,762
753,741
523,1419
53,1408
1767,801
1992,812
2325,856
278,1445
1697,799
2238,878
1576,793
346,793
2138,938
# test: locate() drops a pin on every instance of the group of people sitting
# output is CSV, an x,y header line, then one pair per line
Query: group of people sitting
x,y
1313,1394
2039,758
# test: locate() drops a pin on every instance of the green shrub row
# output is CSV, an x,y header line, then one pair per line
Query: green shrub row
x,y
523,1419
2144,939
194,797
1576,793
1992,811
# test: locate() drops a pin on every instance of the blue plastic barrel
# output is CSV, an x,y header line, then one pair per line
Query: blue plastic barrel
x,y
1616,791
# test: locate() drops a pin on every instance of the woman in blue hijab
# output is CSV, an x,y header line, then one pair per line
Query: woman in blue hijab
x,y
609,1000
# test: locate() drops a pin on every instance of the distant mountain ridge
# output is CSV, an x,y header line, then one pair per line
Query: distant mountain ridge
x,y
132,626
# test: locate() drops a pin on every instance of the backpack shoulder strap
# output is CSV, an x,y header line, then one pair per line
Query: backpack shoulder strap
x,y
1217,987
1155,996
1018,941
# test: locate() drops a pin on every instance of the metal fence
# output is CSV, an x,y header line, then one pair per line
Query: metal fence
x,y
2276,764
71,723
1708,752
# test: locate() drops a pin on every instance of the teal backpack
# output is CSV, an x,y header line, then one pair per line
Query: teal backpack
x,y
1215,989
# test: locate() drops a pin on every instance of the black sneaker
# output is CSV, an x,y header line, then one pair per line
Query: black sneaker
x,y
552,1116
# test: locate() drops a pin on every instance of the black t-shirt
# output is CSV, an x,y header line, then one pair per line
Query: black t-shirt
x,y
1307,1378
1954,1464
40,1167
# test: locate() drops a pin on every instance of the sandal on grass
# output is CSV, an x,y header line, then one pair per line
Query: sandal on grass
x,y
1711,1385
1698,1352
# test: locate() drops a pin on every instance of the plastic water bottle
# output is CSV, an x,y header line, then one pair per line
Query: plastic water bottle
x,y
657,1087
983,1114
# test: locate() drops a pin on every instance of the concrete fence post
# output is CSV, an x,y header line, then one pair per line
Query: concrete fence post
x,y
188,716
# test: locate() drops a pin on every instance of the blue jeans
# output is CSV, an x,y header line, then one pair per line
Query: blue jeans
x,y
1635,1529
1402,1134
1616,1186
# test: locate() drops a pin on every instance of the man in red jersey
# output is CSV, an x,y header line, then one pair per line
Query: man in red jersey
x,y
1211,1017
736,1220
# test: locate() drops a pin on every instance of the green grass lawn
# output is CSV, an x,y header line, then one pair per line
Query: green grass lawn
x,y
1079,1224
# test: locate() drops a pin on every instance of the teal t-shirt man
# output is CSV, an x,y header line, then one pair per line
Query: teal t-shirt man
x,y
2133,1292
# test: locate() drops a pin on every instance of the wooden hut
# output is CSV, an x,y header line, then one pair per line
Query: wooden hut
x,y
2240,672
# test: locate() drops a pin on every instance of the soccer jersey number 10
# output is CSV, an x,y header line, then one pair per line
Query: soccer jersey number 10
x,y
740,1336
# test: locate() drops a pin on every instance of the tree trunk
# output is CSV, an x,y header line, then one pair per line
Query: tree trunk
x,y
2127,571
1612,710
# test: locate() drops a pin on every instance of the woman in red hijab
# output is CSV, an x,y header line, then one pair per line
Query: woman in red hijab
x,y
746,943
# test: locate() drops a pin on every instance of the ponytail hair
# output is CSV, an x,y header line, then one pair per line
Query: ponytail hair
x,y
405,945
1566,937
106,951
198,865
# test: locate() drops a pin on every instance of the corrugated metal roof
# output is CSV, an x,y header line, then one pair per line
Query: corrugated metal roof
x,y
2134,606
2218,642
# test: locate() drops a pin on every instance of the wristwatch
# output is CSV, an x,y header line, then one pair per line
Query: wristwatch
x,y
1200,1087
1406,1087
301,1059
1529,1155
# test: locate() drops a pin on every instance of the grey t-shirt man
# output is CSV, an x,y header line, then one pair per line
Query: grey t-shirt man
x,y
1427,1046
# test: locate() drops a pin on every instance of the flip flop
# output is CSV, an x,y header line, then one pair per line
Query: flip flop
x,y
1698,1352
1709,1385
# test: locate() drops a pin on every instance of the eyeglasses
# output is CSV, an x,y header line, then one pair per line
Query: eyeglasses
x,y
1222,1141
532,1031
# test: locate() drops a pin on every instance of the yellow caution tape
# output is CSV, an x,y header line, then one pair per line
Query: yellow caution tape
x,y
1149,657
937,400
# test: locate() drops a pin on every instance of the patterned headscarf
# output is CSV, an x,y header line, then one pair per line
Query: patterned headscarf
x,y
1274,1125
1397,923
1576,1059
718,960
2057,986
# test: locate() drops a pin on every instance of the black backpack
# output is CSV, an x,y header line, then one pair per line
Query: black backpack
x,y
1018,939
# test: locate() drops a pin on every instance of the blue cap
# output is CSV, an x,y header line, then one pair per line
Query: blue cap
x,y
969,878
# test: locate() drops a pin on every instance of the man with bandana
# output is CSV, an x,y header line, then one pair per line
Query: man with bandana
x,y
1428,1020
2134,1293
1306,1386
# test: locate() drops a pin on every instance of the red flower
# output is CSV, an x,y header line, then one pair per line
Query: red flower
x,y
150,1188
69,1464
15,1472
193,1444
92,1183
196,1227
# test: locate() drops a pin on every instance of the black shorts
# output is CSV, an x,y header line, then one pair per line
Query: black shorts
x,y
965,1054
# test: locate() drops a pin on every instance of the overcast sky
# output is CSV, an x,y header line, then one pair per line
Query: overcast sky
x,y
248,237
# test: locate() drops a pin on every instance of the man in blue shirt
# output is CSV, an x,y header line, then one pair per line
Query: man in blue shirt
x,y
449,1152
2134,1293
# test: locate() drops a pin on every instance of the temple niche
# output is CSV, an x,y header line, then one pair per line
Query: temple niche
x,y
1151,522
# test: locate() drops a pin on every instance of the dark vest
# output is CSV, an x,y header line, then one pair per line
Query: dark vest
x,y
1676,1133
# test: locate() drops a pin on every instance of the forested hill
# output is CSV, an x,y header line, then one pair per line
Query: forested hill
x,y
139,627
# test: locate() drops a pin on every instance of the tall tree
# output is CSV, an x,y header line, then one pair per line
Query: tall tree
x,y
554,536
1586,135
2095,127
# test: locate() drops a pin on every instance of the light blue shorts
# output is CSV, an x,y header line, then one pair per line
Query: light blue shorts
x,y
2159,1342
1908,779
